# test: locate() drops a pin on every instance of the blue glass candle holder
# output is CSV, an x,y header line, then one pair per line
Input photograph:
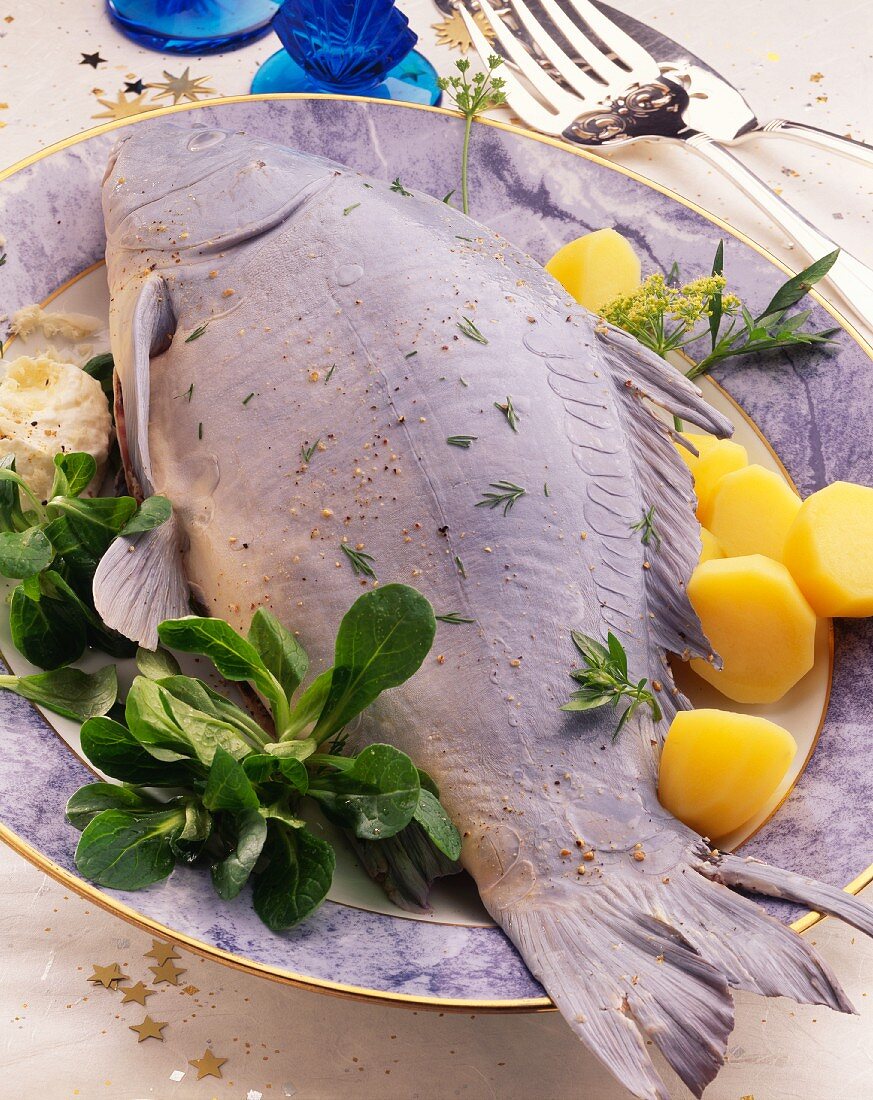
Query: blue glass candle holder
x,y
347,47
193,26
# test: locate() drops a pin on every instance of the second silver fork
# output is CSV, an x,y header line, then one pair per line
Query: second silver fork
x,y
611,91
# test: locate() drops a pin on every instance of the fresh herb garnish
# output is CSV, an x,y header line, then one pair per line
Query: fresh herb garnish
x,y
469,329
460,567
359,560
448,197
472,97
200,430
53,549
67,691
2,257
349,209
507,494
546,489
189,393
410,354
329,374
247,399
604,681
101,367
454,618
461,440
237,791
197,333
464,382
306,453
666,318
508,410
458,237
646,527
397,186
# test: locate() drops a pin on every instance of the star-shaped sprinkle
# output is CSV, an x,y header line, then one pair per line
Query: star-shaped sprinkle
x,y
92,59
452,31
183,87
161,951
107,976
149,1029
135,86
122,107
166,972
137,993
208,1065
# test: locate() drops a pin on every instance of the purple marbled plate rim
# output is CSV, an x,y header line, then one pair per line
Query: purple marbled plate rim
x,y
823,821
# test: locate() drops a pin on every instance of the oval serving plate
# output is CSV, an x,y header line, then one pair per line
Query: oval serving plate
x,y
811,410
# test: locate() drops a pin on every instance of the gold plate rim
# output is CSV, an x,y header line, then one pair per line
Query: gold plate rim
x,y
208,951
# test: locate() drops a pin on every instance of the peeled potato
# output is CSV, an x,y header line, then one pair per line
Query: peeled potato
x,y
751,510
718,769
829,550
596,268
715,459
758,622
710,547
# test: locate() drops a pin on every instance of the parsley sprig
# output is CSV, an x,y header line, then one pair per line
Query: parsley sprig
x,y
604,681
472,97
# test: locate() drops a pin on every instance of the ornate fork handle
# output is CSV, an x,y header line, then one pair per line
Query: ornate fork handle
x,y
819,139
853,279
647,110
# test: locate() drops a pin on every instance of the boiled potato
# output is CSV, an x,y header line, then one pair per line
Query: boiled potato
x,y
715,459
710,547
718,769
596,268
758,622
829,549
751,510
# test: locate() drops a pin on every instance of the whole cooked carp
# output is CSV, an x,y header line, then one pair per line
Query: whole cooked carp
x,y
294,344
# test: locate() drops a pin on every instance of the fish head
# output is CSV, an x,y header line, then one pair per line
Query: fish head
x,y
174,187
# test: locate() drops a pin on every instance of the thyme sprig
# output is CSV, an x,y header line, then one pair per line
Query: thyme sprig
x,y
360,561
507,494
472,97
461,440
604,681
455,618
197,333
508,410
646,526
397,186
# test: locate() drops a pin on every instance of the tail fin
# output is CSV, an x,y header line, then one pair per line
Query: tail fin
x,y
630,960
761,878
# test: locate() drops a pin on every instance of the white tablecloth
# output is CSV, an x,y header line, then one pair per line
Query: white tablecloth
x,y
62,1037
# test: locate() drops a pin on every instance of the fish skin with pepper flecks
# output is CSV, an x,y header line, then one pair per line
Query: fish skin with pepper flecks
x,y
317,285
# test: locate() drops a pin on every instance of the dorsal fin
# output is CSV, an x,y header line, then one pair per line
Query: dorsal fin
x,y
664,479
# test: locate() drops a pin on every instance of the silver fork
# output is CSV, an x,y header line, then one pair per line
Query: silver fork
x,y
600,98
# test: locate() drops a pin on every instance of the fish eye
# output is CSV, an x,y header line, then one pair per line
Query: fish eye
x,y
205,139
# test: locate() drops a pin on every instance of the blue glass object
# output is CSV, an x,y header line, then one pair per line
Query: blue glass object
x,y
193,26
350,47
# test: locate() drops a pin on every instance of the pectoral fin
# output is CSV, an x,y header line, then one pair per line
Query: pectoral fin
x,y
140,580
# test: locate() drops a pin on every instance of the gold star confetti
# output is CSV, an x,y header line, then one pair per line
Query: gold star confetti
x,y
149,1029
107,975
137,993
452,31
161,951
122,107
183,87
166,972
207,1066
